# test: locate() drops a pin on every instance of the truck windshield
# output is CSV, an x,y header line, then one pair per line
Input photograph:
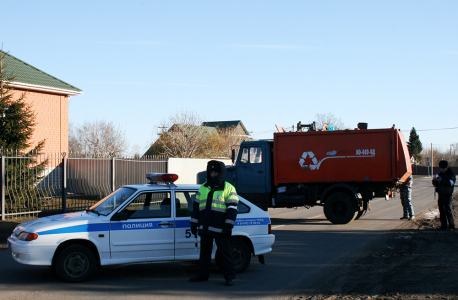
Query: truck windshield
x,y
252,155
112,201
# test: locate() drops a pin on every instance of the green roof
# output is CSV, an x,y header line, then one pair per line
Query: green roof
x,y
28,74
226,124
191,128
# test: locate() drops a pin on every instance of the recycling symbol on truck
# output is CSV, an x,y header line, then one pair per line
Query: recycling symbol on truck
x,y
308,161
313,166
309,156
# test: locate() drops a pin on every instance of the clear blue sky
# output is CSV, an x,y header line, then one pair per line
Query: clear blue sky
x,y
262,62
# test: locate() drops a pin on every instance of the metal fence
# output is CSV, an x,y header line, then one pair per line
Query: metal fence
x,y
426,171
46,184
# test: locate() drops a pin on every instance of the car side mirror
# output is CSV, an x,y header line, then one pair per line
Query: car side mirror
x,y
233,156
119,216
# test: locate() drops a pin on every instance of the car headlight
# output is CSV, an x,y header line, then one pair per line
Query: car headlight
x,y
27,236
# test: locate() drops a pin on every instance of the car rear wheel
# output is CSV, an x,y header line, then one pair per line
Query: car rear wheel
x,y
75,263
241,255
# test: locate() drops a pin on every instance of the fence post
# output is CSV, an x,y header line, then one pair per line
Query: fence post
x,y
113,183
64,182
2,184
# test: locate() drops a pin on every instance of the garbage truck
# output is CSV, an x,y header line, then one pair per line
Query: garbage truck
x,y
341,170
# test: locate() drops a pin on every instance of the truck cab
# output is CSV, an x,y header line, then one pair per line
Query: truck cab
x,y
251,174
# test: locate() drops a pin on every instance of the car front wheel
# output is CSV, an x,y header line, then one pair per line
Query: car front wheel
x,y
75,263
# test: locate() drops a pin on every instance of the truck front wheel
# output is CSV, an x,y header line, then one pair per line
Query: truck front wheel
x,y
340,208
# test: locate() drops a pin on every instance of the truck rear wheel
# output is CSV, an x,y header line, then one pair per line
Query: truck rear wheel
x,y
340,208
362,212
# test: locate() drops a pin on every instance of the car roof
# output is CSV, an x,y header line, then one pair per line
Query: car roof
x,y
154,186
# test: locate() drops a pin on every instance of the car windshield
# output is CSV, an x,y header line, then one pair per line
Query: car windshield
x,y
112,201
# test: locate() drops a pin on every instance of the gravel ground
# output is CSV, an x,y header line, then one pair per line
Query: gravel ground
x,y
415,261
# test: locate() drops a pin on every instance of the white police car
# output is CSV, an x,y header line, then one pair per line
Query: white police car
x,y
136,223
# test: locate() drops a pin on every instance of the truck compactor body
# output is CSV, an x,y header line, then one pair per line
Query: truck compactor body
x,y
340,170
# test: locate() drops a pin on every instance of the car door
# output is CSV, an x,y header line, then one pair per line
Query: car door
x,y
148,233
185,242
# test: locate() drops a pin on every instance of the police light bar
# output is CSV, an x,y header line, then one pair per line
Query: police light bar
x,y
164,177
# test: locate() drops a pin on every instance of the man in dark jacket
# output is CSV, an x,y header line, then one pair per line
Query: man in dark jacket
x,y
213,217
444,183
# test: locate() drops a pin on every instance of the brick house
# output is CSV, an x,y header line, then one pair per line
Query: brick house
x,y
48,97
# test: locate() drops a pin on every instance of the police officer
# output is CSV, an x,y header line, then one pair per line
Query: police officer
x,y
213,217
444,183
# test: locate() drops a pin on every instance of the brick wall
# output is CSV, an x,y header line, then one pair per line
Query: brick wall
x,y
51,121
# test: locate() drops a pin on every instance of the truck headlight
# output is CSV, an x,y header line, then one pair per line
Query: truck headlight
x,y
27,236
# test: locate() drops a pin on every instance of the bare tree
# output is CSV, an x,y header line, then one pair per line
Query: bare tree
x,y
97,139
224,140
329,119
453,160
450,155
75,146
181,135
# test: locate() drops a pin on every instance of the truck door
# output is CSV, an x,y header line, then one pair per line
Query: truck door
x,y
252,175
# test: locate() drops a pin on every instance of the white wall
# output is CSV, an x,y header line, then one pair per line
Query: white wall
x,y
187,168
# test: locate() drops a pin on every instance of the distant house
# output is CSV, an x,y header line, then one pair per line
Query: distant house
x,y
48,97
206,128
238,125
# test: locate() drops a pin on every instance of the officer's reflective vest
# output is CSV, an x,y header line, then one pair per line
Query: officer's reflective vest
x,y
218,214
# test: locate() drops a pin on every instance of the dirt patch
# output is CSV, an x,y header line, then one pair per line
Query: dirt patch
x,y
416,261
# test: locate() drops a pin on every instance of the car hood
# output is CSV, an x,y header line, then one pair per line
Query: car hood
x,y
58,221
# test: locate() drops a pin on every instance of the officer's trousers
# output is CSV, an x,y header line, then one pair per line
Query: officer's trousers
x,y
224,250
445,211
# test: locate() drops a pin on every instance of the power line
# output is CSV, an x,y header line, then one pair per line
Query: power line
x,y
438,129
433,129
262,132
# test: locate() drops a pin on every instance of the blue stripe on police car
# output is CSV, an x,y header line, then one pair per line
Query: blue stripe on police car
x,y
142,225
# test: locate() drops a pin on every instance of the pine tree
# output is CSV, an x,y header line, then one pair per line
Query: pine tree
x,y
22,169
414,144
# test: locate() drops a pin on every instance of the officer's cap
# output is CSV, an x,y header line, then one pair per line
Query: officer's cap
x,y
443,164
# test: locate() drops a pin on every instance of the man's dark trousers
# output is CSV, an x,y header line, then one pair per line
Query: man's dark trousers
x,y
224,250
445,211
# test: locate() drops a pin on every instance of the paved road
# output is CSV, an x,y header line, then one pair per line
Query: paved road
x,y
305,242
